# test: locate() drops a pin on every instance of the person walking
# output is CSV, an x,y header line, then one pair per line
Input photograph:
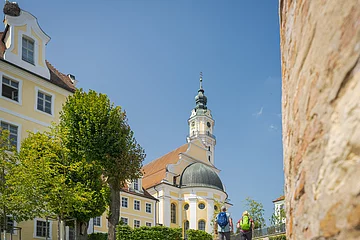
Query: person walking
x,y
223,224
246,225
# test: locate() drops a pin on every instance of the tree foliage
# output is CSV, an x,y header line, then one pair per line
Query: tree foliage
x,y
98,131
47,182
276,219
7,161
256,211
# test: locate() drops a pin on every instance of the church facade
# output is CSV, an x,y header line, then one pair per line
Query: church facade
x,y
185,181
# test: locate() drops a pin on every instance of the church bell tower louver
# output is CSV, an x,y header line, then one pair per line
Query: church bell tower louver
x,y
201,124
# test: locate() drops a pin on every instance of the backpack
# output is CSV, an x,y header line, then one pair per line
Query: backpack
x,y
222,219
245,223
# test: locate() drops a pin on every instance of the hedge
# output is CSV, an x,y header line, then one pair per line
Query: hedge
x,y
198,235
98,236
279,237
124,232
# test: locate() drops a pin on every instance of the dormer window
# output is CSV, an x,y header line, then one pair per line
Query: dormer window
x,y
28,50
136,184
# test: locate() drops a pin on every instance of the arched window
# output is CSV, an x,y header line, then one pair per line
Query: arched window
x,y
186,227
173,213
201,225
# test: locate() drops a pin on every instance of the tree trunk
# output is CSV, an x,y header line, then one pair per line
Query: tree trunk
x,y
62,230
114,211
58,229
81,230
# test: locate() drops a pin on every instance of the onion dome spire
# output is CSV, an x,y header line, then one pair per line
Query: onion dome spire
x,y
201,99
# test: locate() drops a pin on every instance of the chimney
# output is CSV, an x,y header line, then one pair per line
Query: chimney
x,y
72,79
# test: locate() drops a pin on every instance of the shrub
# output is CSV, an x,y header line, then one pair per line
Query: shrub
x,y
279,237
124,232
98,236
198,235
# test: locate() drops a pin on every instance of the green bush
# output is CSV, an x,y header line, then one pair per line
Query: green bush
x,y
198,235
98,236
279,237
124,232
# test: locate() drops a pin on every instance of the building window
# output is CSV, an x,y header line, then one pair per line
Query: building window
x,y
136,184
42,228
148,224
28,50
186,206
201,225
97,221
124,202
186,227
201,206
125,221
13,136
71,233
136,205
44,102
173,213
136,223
10,89
148,207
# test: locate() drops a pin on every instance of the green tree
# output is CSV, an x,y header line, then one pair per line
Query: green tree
x,y
47,182
256,211
7,160
99,132
276,219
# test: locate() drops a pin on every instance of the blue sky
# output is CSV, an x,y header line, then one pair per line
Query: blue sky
x,y
147,55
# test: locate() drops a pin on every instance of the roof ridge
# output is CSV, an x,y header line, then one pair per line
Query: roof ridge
x,y
167,154
62,77
54,68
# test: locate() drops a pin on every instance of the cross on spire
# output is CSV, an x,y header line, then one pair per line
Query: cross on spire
x,y
201,75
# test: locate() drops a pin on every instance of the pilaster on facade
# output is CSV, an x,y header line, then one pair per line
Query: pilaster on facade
x,y
166,210
192,204
210,214
180,211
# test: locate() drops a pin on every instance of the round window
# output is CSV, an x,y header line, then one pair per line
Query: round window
x,y
201,205
215,208
186,206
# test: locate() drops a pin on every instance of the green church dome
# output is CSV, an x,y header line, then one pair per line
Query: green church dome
x,y
200,175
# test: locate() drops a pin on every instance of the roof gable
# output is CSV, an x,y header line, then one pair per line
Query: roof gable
x,y
155,171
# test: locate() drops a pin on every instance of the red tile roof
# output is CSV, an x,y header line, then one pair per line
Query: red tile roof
x,y
57,78
279,199
155,171
60,79
145,193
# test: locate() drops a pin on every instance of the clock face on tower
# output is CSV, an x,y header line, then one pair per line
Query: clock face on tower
x,y
208,124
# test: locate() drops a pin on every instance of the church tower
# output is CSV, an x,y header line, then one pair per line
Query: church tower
x,y
201,124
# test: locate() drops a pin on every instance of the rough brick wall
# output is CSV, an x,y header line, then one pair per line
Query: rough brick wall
x,y
320,45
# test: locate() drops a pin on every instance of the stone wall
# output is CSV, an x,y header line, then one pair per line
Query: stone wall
x,y
320,47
